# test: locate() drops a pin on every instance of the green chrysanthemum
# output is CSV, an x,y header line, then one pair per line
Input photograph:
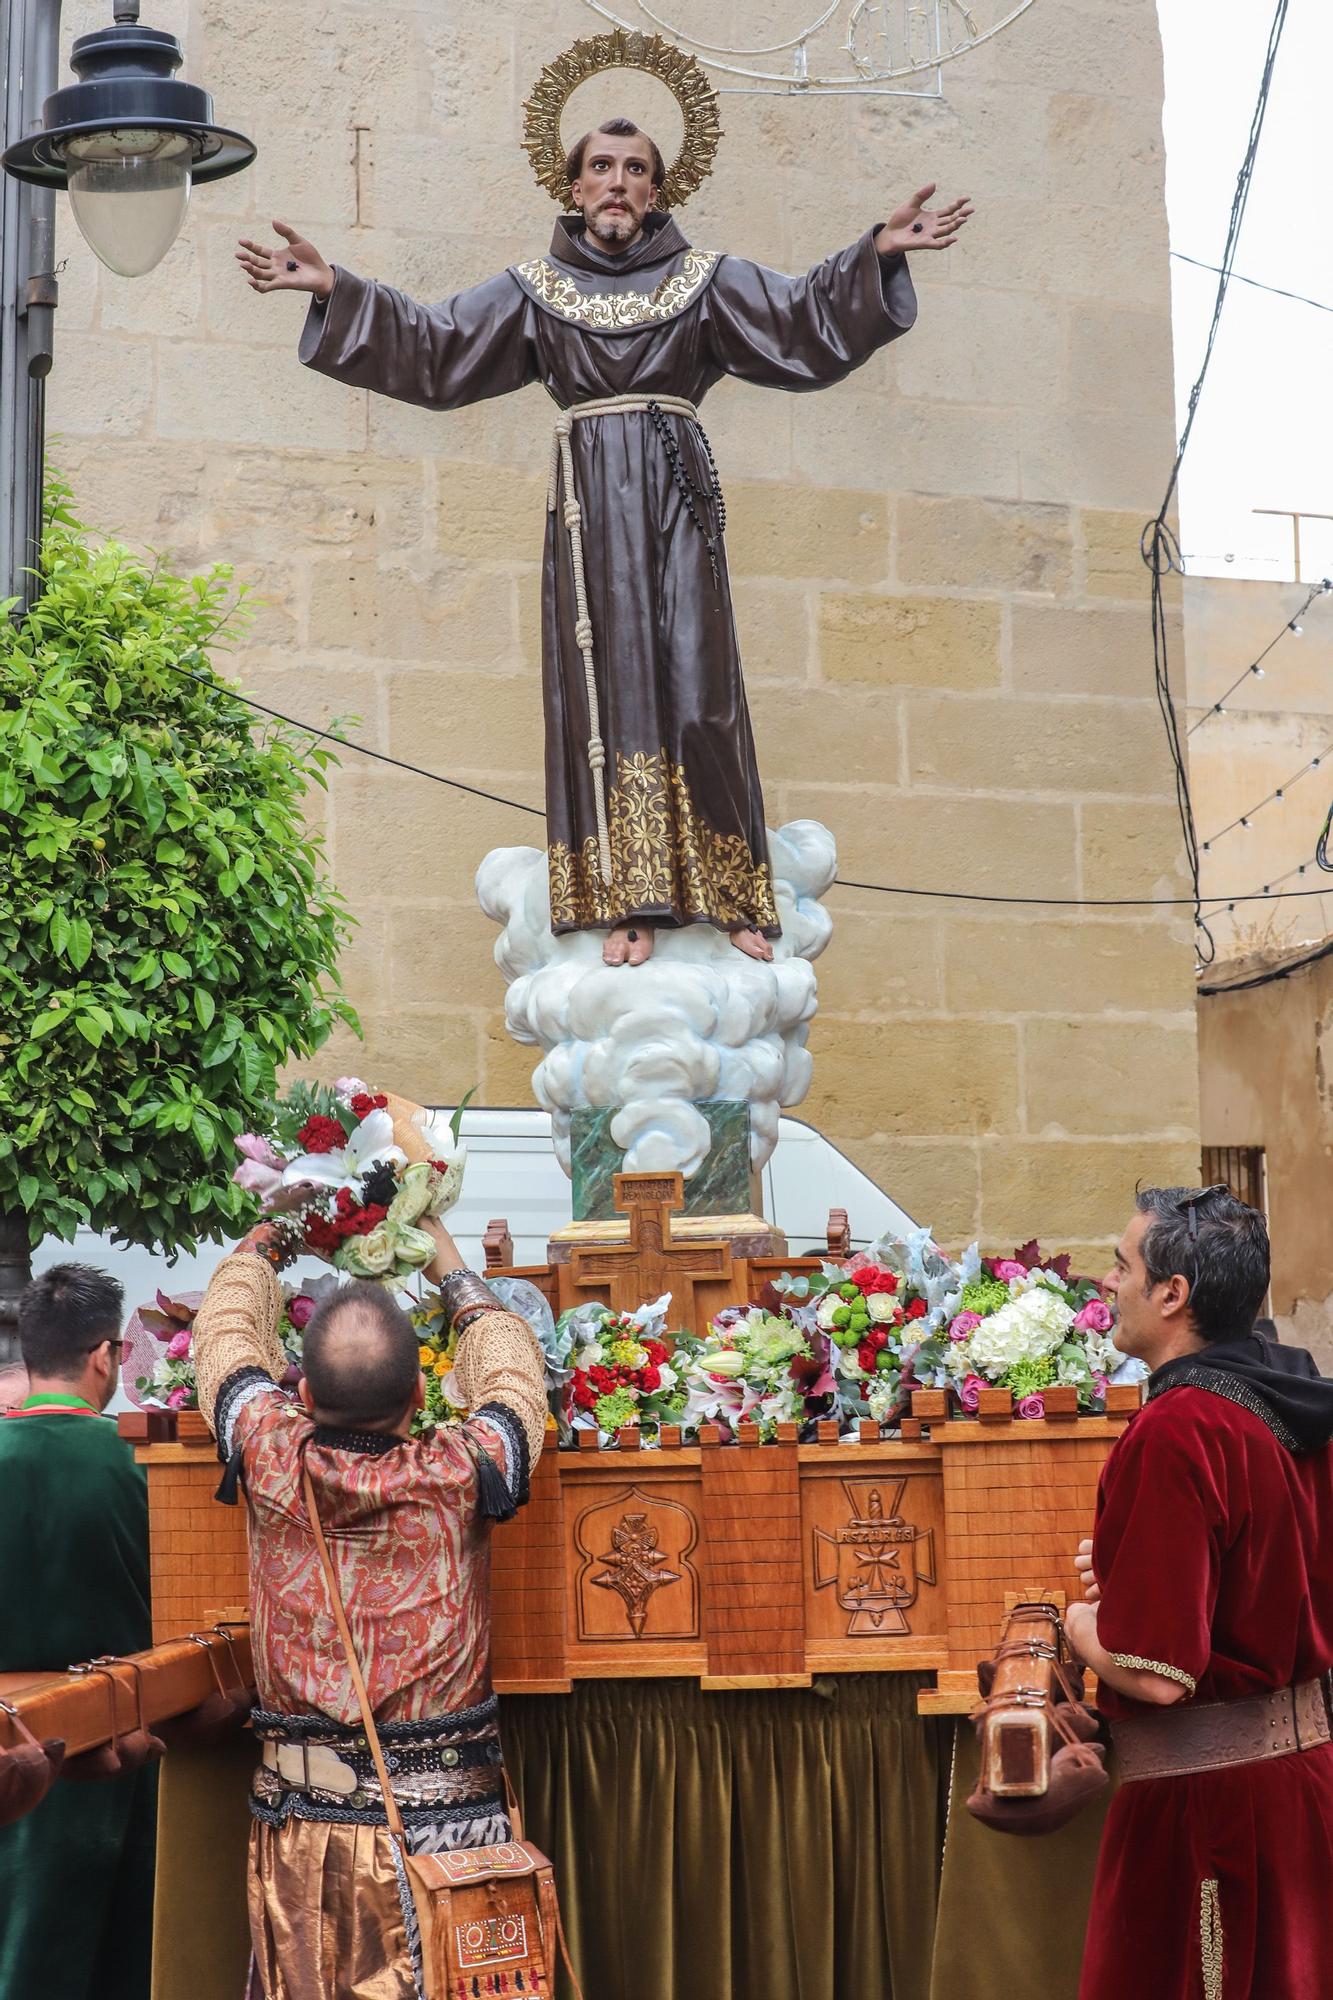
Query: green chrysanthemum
x,y
984,1295
613,1411
1026,1377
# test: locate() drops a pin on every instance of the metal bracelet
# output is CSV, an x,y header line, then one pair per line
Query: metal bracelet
x,y
464,1291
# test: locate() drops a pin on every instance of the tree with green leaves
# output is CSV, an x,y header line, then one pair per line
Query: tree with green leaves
x,y
169,935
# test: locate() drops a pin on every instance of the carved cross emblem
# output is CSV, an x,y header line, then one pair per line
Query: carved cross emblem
x,y
877,1559
635,1568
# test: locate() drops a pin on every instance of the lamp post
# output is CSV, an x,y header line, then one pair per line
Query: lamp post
x,y
127,140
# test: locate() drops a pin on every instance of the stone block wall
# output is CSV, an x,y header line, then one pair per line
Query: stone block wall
x,y
943,611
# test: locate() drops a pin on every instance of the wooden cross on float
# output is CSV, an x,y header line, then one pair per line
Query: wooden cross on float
x,y
650,1263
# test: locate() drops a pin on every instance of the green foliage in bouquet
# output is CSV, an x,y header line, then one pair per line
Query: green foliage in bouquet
x,y
170,937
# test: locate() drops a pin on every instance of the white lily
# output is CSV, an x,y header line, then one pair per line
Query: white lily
x,y
370,1143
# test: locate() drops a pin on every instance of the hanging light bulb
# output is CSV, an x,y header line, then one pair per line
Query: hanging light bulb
x,y
128,141
1296,629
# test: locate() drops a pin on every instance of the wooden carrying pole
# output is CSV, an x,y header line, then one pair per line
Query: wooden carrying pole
x,y
97,1702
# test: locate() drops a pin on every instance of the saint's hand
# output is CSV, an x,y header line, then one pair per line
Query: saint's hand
x,y
916,227
1083,1564
294,266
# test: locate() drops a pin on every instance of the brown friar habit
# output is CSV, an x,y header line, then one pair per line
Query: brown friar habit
x,y
680,786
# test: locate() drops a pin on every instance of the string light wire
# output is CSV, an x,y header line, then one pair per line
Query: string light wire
x,y
329,735
1278,792
1320,589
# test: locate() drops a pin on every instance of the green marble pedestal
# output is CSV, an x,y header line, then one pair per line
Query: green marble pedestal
x,y
722,1186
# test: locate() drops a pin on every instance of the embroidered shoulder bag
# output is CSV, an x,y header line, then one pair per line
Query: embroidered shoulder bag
x,y
488,1916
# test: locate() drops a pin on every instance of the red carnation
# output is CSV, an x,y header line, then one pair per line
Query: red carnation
x,y
650,1378
585,1396
918,1309
656,1351
321,1135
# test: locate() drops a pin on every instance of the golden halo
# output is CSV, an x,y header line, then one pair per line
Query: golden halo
x,y
684,77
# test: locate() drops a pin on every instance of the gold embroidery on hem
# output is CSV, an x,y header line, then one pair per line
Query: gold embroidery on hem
x,y
1210,1937
618,312
1133,1661
664,855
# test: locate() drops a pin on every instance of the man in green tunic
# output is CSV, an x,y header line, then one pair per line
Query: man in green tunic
x,y
76,1875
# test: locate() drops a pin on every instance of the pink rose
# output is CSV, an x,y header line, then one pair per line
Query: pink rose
x,y
1006,1270
1099,1388
178,1398
251,1147
1031,1406
965,1325
1094,1318
179,1345
300,1311
969,1392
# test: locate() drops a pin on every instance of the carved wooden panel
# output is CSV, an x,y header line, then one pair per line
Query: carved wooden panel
x,y
875,1557
635,1579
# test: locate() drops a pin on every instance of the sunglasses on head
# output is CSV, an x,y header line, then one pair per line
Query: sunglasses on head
x,y
1189,1208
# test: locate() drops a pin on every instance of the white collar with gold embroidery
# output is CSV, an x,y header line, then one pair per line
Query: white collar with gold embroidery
x,y
616,312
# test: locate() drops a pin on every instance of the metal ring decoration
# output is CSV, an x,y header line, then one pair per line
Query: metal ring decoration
x,y
684,77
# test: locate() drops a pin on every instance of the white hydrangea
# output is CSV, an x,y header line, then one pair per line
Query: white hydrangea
x,y
1029,1328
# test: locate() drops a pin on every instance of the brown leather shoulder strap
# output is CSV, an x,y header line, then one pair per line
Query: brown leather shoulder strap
x,y
392,1813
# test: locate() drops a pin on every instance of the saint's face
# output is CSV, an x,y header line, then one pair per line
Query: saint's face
x,y
615,189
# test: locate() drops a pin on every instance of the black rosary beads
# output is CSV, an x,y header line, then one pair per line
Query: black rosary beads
x,y
710,498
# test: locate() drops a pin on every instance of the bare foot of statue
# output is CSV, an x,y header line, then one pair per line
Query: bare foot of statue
x,y
753,943
629,944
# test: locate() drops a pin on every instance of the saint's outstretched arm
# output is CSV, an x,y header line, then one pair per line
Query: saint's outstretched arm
x,y
474,345
470,347
804,333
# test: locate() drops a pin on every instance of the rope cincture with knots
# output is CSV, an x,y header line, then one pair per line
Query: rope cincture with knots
x,y
562,469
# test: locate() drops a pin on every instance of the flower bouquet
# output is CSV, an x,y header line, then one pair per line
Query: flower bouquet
x,y
762,1365
880,1312
1026,1325
160,1339
621,1370
351,1172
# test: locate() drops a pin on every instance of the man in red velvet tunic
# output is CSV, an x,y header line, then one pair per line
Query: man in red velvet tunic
x,y
1210,1626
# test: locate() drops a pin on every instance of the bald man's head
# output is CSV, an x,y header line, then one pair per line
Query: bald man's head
x,y
359,1359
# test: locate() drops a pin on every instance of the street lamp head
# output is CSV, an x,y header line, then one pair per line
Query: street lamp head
x,y
128,140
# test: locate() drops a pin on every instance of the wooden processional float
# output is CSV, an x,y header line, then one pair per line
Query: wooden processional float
x,y
744,1565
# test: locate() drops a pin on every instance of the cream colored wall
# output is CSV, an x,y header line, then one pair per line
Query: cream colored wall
x,y
1266,1063
1271,728
942,606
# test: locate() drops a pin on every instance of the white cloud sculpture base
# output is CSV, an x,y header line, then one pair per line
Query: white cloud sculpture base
x,y
698,1020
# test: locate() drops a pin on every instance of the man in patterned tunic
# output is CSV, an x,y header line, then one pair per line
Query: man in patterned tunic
x,y
408,1525
654,811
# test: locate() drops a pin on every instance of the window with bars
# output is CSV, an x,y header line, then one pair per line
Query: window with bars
x,y
1241,1168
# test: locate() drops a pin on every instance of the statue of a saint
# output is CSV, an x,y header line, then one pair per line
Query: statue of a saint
x,y
654,811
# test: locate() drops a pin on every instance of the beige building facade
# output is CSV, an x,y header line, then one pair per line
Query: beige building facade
x,y
943,611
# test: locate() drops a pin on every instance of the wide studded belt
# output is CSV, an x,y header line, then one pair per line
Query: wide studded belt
x,y
1209,1736
436,1764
